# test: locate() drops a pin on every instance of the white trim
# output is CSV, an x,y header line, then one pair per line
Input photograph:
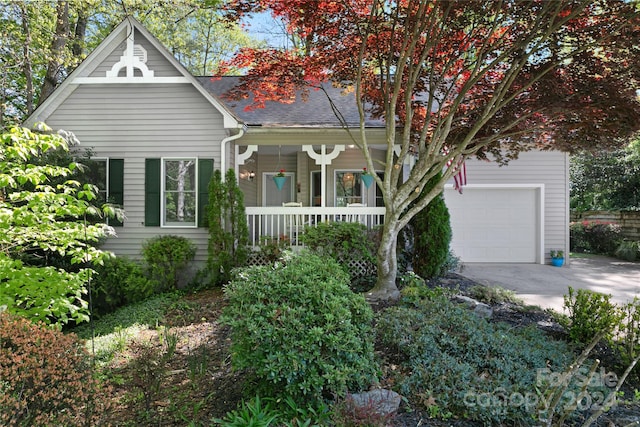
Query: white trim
x,y
124,80
540,192
162,193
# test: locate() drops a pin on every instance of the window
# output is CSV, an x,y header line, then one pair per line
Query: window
x,y
179,192
348,188
97,174
176,192
108,176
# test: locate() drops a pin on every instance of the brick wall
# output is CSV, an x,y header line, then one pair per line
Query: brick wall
x,y
629,221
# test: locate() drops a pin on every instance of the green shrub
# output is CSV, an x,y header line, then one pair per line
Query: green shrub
x,y
344,242
431,236
167,259
589,313
596,237
45,377
300,329
452,363
628,250
118,282
228,230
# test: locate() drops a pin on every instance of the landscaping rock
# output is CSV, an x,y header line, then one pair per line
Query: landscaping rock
x,y
483,310
479,308
380,401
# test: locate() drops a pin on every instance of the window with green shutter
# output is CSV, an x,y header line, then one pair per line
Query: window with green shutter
x,y
176,191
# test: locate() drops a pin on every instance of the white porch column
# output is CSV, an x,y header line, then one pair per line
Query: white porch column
x,y
323,159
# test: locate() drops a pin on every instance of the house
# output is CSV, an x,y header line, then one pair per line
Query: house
x,y
157,134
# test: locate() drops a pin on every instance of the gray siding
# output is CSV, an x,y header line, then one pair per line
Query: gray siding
x,y
550,168
136,122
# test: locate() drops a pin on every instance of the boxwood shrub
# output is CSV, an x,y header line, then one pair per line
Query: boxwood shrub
x,y
300,329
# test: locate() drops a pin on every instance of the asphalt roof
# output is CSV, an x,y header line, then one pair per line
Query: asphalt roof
x,y
315,111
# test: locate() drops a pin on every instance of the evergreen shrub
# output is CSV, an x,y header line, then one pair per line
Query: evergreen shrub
x,y
119,282
167,259
431,236
300,329
451,363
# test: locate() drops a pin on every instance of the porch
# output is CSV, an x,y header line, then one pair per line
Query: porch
x,y
287,223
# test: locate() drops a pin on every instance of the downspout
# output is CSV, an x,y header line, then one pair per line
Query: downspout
x,y
223,149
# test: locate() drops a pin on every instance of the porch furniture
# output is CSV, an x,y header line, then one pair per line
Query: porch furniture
x,y
293,222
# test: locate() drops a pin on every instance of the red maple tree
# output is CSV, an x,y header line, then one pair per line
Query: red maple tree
x,y
453,79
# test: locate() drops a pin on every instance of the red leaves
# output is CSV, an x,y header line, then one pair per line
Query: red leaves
x,y
535,72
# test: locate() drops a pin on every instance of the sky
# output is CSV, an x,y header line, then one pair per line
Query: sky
x,y
264,27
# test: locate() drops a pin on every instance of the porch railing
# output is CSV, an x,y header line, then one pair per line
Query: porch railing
x,y
287,223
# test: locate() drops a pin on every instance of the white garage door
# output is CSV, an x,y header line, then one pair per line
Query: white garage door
x,y
494,224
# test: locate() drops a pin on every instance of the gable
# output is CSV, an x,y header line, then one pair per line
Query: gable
x,y
130,55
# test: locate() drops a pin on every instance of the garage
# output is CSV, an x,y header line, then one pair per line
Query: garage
x,y
500,223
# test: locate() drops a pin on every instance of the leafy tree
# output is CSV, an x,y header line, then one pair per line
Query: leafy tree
x,y
606,180
228,230
42,42
456,79
40,217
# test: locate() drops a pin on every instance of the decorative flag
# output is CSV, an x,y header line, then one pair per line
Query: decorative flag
x,y
460,178
460,173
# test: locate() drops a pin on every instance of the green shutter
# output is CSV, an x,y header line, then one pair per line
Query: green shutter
x,y
205,172
152,192
116,186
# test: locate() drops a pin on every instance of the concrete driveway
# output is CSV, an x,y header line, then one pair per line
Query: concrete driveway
x,y
545,285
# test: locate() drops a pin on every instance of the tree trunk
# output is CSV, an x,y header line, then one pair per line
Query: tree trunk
x,y
52,76
387,263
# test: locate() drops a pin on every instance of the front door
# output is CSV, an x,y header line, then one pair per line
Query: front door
x,y
271,195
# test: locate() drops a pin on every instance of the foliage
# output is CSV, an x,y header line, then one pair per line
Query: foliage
x,y
493,294
58,38
605,180
149,368
342,241
228,229
628,250
167,259
589,314
457,364
255,413
45,377
119,282
628,337
114,330
39,217
452,80
432,236
598,237
300,329
271,248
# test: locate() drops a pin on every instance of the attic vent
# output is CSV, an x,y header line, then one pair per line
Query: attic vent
x,y
140,53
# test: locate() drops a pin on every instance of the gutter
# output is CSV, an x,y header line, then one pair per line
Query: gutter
x,y
223,149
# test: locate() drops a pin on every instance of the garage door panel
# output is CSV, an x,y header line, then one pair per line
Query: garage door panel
x,y
494,224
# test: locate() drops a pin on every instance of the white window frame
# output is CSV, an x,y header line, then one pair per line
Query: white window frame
x,y
363,188
163,223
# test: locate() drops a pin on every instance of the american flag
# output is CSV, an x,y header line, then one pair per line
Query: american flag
x,y
460,174
460,178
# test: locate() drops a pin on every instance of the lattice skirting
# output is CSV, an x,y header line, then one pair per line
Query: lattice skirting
x,y
357,268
